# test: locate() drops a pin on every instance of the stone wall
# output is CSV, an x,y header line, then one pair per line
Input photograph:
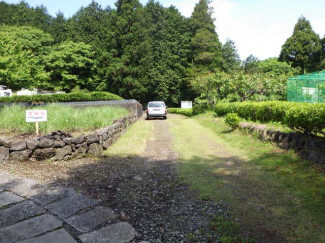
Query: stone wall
x,y
62,146
311,148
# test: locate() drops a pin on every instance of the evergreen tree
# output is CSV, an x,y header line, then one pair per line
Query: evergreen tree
x,y
250,64
322,59
91,26
303,48
230,58
128,71
170,45
59,28
205,53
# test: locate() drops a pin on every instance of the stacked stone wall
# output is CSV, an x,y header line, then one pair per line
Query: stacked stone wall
x,y
309,147
62,146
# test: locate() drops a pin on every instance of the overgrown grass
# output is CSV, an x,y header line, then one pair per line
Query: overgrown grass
x,y
272,192
60,117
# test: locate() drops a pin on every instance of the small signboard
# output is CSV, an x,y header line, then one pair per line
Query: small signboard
x,y
36,115
186,104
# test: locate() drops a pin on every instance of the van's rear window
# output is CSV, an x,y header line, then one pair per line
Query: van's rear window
x,y
156,104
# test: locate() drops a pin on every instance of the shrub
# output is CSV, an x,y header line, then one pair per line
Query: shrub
x,y
185,112
232,120
301,117
71,97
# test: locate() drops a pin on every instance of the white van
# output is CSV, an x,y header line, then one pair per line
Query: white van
x,y
156,109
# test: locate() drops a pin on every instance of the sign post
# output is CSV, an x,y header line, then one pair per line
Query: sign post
x,y
36,116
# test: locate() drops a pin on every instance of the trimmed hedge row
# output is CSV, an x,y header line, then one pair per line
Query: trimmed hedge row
x,y
185,112
71,97
301,117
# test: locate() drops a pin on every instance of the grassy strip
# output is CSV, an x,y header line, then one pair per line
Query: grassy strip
x,y
60,117
93,96
275,195
180,111
133,142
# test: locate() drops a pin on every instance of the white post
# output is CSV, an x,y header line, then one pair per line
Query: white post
x,y
37,128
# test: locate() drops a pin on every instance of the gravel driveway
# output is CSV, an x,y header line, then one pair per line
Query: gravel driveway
x,y
144,189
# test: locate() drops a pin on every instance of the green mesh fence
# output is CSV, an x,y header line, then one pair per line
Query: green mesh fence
x,y
307,88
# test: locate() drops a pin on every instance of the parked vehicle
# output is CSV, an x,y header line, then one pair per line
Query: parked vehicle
x,y
4,91
156,109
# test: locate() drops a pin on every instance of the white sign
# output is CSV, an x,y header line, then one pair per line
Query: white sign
x,y
36,115
186,104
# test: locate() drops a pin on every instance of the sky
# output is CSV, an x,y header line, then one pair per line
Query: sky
x,y
258,27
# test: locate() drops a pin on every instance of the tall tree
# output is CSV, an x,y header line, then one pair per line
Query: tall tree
x,y
59,28
170,45
22,50
303,48
205,53
130,63
250,64
322,59
71,66
230,58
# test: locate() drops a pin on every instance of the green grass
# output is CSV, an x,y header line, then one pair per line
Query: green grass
x,y
133,142
60,117
272,192
180,111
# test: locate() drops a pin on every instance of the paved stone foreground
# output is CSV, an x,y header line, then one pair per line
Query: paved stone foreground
x,y
36,213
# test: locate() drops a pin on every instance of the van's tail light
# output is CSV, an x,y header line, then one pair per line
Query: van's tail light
x,y
147,110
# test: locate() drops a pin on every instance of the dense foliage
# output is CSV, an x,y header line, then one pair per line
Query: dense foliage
x,y
302,117
180,111
303,49
145,52
93,96
232,120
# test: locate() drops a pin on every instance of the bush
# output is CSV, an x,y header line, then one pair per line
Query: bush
x,y
185,112
301,117
232,120
71,97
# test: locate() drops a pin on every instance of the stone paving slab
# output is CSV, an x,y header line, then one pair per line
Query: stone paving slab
x,y
85,222
58,236
18,212
29,228
70,205
116,233
5,178
23,187
46,195
7,198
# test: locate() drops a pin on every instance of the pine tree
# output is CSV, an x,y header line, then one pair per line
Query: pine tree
x,y
250,64
205,53
303,48
230,58
128,72
59,28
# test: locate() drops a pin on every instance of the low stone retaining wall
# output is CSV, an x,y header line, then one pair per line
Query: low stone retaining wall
x,y
62,146
311,148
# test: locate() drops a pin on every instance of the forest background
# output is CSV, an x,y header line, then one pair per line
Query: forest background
x,y
146,53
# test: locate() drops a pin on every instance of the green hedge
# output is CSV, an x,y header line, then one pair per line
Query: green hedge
x,y
185,112
94,96
302,117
